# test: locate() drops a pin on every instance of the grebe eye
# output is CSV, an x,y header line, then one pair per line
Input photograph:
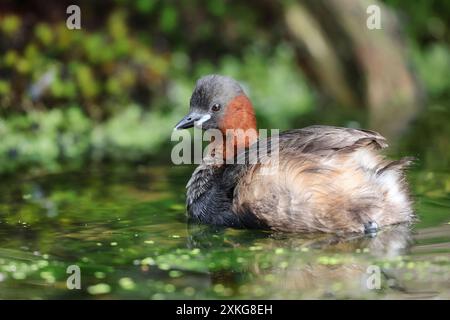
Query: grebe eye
x,y
215,107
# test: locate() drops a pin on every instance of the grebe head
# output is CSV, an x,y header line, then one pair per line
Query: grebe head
x,y
218,102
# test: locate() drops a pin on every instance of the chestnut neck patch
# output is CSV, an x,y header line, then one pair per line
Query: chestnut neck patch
x,y
238,126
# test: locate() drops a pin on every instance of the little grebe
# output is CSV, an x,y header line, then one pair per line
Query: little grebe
x,y
326,179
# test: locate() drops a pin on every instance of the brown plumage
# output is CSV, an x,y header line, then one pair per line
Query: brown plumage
x,y
325,179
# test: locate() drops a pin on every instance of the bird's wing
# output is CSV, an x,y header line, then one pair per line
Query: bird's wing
x,y
325,139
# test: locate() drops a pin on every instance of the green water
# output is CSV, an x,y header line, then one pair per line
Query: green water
x,y
126,230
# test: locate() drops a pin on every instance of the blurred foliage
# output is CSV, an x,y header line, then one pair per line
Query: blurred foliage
x,y
426,22
115,88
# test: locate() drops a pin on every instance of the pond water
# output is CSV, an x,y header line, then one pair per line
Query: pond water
x,y
126,230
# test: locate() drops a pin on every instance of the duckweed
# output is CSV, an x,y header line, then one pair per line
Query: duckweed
x,y
206,263
101,288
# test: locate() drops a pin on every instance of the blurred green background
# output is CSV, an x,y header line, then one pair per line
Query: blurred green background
x,y
112,91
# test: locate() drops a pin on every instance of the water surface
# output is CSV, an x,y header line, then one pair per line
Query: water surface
x,y
126,230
